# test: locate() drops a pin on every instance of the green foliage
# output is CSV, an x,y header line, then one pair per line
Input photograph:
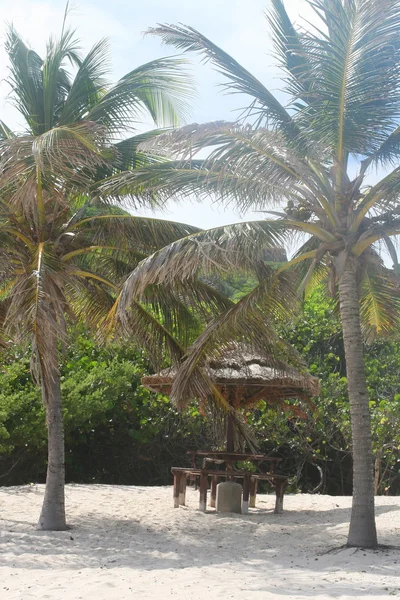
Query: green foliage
x,y
116,431
234,286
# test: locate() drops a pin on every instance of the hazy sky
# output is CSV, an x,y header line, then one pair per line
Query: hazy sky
x,y
238,26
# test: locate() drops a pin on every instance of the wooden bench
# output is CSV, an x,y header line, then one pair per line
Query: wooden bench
x,y
250,481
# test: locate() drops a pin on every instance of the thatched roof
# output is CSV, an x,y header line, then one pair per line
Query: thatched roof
x,y
246,377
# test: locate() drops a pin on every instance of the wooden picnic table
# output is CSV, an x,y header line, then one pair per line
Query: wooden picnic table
x,y
250,478
232,458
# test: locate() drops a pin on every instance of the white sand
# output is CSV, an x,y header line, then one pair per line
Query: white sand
x,y
128,542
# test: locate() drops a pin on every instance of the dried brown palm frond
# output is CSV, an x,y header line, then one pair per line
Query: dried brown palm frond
x,y
238,247
250,322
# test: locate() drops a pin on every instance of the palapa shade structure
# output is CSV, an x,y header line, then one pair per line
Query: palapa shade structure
x,y
243,378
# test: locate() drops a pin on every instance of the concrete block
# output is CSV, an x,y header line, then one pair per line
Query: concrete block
x,y
229,497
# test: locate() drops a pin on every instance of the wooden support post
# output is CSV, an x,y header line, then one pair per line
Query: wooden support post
x,y
213,497
230,433
246,492
182,489
177,481
203,491
279,491
193,478
253,492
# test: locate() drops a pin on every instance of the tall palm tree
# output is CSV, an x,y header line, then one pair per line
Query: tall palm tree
x,y
64,250
312,160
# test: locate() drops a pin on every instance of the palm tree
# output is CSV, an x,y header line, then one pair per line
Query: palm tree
x,y
312,160
64,249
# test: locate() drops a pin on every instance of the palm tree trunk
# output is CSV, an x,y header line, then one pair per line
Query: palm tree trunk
x,y
52,516
362,531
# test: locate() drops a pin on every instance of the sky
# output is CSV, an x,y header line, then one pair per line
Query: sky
x,y
238,26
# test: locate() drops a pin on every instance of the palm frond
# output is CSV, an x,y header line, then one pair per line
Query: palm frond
x,y
5,131
142,234
380,197
63,159
147,331
290,52
388,152
89,301
224,249
88,85
161,87
380,301
354,58
130,153
251,323
25,80
248,167
55,79
239,79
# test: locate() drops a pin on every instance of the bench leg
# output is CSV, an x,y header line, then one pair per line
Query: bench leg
x,y
177,481
253,492
203,492
279,491
182,490
193,478
246,492
213,497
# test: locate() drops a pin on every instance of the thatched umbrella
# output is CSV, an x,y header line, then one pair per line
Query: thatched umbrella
x,y
243,378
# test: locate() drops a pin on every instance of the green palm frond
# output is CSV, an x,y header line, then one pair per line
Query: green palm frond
x,y
5,131
354,71
129,153
89,300
387,153
290,52
143,234
380,301
239,79
31,166
25,80
160,87
55,79
88,86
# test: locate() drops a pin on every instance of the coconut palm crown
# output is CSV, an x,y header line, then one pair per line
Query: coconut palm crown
x,y
310,154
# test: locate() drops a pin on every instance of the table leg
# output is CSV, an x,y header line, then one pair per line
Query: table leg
x,y
246,492
182,489
177,481
203,492
253,492
213,497
279,491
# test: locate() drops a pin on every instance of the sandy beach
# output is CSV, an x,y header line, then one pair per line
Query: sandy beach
x,y
128,542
